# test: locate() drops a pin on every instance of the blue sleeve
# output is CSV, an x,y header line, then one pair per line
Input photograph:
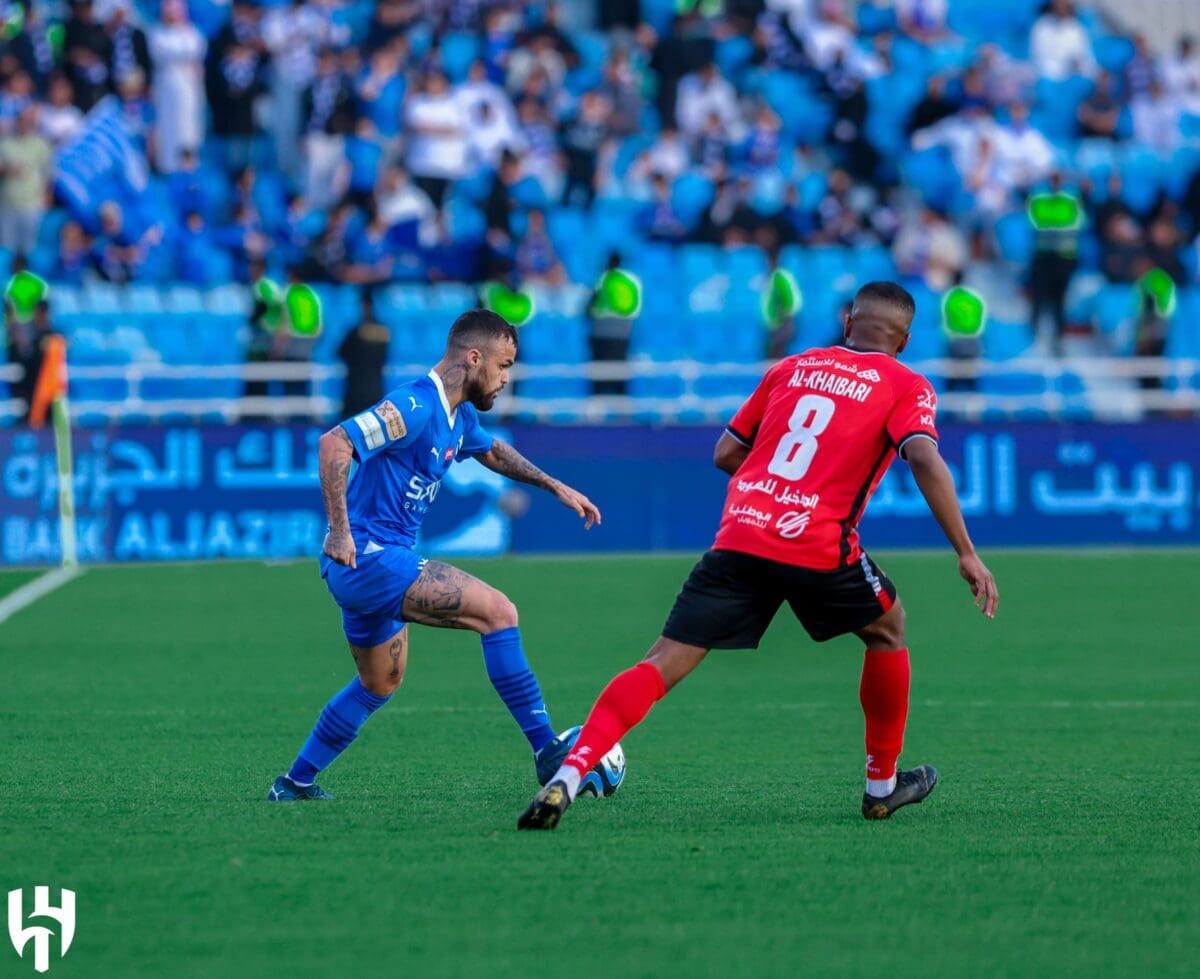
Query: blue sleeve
x,y
393,423
476,440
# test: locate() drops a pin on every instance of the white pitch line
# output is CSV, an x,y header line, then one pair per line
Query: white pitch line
x,y
26,595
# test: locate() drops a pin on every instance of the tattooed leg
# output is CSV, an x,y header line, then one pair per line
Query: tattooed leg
x,y
446,597
381,668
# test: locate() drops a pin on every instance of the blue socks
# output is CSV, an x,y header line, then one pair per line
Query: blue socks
x,y
336,728
517,686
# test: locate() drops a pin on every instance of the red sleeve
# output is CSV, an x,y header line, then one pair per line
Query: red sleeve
x,y
913,415
744,425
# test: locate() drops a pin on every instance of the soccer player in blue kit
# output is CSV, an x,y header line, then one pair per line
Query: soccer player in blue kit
x,y
404,446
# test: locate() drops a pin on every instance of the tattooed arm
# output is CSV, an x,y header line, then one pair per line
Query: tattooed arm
x,y
507,461
336,453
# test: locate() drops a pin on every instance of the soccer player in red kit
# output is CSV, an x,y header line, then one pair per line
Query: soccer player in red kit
x,y
805,453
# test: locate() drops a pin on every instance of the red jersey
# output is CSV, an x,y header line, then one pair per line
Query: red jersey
x,y
822,427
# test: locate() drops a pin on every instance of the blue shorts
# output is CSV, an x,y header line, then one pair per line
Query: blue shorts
x,y
371,596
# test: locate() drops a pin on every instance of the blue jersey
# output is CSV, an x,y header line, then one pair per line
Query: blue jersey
x,y
405,445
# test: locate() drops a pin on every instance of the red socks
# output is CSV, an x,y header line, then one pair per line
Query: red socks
x,y
621,706
883,694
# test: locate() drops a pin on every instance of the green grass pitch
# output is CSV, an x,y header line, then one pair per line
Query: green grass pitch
x,y
145,712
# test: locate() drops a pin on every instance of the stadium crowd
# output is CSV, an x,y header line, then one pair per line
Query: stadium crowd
x,y
423,140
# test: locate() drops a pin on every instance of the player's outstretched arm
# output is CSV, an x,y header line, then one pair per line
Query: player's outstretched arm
x,y
507,461
937,486
334,458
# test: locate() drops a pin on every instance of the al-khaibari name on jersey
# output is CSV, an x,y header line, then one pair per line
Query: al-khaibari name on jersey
x,y
405,445
823,426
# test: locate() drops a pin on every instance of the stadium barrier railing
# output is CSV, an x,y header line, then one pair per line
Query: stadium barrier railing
x,y
1102,389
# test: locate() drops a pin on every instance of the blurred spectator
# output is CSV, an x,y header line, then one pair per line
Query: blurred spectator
x,y
764,142
235,77
728,220
87,53
437,128
490,118
684,50
922,20
608,337
711,147
24,181
382,86
363,162
17,96
291,35
402,202
703,94
582,138
667,155
186,185
1026,152
827,33
196,256
620,87
1059,44
839,218
118,252
933,107
364,351
34,47
1156,120
370,254
989,180
1140,73
59,119
540,54
177,48
1004,79
391,19
127,42
1099,114
137,113
328,113
931,249
659,220
327,253
541,158
849,119
1180,75
71,258
496,258
537,260
961,134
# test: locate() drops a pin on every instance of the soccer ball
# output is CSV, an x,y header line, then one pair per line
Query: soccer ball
x,y
606,775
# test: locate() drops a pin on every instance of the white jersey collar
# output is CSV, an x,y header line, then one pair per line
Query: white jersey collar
x,y
441,390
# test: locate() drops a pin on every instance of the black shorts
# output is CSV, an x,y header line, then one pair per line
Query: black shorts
x,y
730,598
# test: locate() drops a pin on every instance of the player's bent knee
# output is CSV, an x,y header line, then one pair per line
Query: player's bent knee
x,y
886,632
382,686
502,613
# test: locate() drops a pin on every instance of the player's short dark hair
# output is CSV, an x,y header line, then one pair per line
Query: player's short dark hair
x,y
889,293
479,328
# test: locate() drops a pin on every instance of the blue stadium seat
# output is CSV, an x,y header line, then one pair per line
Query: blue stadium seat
x,y
1015,238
